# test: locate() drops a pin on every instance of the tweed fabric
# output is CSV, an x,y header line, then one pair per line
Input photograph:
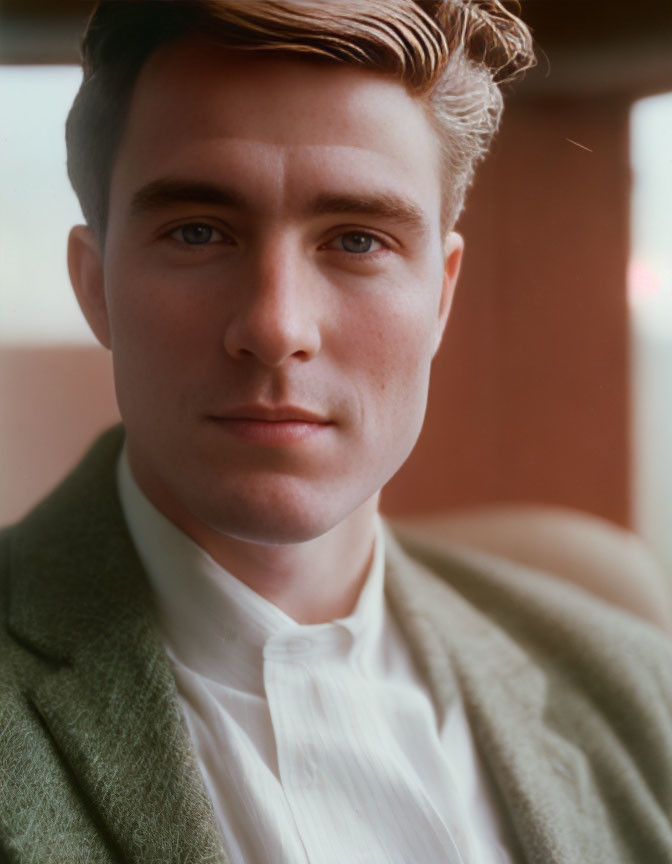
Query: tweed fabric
x,y
95,760
569,700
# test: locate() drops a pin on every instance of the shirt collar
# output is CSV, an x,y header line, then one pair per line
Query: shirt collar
x,y
216,625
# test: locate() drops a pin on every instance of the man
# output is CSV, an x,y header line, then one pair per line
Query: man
x,y
213,649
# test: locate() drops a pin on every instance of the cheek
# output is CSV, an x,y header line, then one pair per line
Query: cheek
x,y
395,347
154,325
158,351
393,396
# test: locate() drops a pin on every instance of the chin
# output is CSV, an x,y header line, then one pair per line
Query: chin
x,y
272,533
270,521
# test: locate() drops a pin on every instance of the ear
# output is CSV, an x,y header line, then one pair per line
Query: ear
x,y
85,265
453,249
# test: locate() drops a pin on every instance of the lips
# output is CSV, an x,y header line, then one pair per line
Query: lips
x,y
272,426
273,414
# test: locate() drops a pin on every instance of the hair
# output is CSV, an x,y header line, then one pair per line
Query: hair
x,y
452,53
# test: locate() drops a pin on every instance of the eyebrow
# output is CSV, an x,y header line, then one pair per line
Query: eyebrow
x,y
384,205
166,192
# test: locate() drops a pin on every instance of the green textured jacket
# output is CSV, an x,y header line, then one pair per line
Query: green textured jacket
x,y
570,701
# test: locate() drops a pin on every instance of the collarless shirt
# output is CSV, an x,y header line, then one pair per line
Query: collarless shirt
x,y
318,744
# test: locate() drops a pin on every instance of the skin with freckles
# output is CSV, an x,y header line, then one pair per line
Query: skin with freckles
x,y
273,286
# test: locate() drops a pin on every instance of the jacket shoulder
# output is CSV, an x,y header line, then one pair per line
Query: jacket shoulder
x,y
551,676
609,659
538,608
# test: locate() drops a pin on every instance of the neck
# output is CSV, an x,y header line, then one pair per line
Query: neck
x,y
312,582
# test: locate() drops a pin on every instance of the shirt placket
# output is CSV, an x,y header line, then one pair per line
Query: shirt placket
x,y
352,796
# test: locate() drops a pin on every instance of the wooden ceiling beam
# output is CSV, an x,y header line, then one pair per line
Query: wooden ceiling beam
x,y
607,46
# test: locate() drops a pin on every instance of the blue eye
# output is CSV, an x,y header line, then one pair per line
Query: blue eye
x,y
358,243
196,234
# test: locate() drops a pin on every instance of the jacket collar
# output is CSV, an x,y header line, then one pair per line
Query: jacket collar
x,y
80,601
449,612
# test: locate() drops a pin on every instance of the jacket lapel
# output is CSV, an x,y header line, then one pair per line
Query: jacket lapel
x,y
543,779
106,693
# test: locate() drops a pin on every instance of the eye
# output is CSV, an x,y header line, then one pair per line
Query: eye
x,y
197,234
358,243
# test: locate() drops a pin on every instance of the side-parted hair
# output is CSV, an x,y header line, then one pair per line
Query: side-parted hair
x,y
451,53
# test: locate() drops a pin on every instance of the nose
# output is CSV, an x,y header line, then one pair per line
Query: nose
x,y
276,315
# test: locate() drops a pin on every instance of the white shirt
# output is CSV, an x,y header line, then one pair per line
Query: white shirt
x,y
318,744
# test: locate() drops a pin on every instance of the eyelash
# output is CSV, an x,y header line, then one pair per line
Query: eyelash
x,y
369,235
194,247
181,228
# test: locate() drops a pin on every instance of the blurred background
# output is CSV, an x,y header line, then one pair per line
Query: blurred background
x,y
554,384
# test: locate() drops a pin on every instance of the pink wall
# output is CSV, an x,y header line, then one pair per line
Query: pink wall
x,y
52,403
529,400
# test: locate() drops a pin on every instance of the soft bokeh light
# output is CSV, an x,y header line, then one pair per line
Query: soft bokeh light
x,y
650,296
37,207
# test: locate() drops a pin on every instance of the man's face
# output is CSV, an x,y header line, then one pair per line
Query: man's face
x,y
273,288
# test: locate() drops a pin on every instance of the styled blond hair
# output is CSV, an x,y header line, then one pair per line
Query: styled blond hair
x,y
451,53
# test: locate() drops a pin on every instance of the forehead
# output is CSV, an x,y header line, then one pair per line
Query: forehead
x,y
202,109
